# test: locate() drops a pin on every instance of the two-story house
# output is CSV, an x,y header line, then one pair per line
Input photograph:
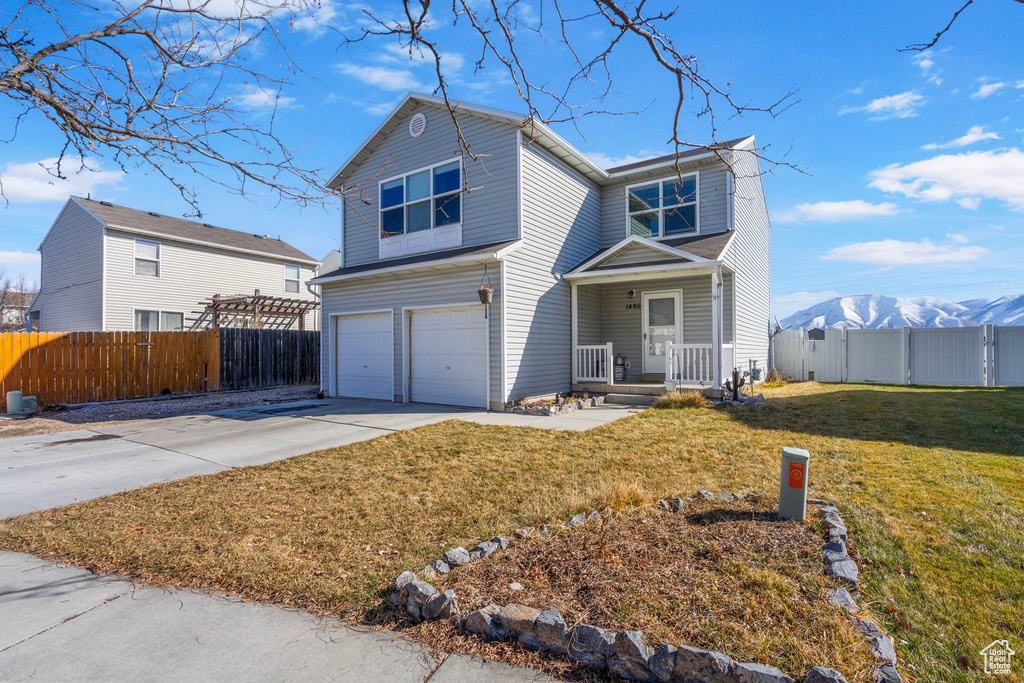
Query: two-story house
x,y
106,267
656,271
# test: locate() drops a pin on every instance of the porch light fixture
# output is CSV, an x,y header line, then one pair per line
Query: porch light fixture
x,y
631,294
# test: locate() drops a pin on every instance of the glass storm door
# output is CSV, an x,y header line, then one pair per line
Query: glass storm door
x,y
661,326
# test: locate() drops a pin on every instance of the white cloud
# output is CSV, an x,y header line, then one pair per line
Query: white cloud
x,y
974,134
381,108
965,178
959,239
901,106
37,181
897,253
19,257
832,212
259,98
799,298
603,160
417,56
316,19
381,77
988,89
926,62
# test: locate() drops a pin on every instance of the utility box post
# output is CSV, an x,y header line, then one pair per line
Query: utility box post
x,y
796,464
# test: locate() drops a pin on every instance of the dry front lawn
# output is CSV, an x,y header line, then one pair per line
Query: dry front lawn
x,y
929,481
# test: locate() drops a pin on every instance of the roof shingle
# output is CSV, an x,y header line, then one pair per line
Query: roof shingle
x,y
125,217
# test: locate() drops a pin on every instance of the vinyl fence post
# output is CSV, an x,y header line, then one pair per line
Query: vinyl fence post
x,y
803,362
907,376
991,332
844,372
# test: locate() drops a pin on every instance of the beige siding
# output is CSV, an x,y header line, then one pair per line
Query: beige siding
x,y
623,326
453,285
71,273
561,228
749,256
712,202
489,209
188,275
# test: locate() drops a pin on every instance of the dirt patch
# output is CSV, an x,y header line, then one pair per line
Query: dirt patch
x,y
729,577
93,415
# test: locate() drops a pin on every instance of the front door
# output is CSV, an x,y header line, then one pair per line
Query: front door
x,y
660,327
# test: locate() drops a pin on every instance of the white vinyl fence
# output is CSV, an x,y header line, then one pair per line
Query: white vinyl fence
x,y
988,355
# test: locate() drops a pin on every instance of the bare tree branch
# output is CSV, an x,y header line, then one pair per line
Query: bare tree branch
x,y
161,85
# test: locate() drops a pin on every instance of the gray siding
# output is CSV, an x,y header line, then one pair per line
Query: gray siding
x,y
712,202
623,327
71,273
456,285
188,274
561,227
489,209
749,256
639,254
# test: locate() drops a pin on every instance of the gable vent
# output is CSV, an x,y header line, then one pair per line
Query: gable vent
x,y
417,124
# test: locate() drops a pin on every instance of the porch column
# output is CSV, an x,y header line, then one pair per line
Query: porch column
x,y
574,298
716,326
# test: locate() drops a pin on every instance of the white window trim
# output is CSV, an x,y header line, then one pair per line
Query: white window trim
x,y
661,221
159,316
430,198
296,280
137,258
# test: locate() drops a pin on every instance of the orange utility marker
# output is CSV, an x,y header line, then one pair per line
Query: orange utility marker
x,y
793,484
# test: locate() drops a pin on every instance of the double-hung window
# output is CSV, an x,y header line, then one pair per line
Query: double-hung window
x,y
147,258
291,279
663,208
426,199
158,321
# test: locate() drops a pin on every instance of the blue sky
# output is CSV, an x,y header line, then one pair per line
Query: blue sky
x,y
913,181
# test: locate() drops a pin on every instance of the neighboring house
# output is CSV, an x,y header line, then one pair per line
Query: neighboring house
x,y
585,265
329,263
13,307
107,267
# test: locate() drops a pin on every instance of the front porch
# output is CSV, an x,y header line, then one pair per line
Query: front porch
x,y
651,326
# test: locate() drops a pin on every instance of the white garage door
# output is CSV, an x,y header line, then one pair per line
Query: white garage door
x,y
365,356
448,356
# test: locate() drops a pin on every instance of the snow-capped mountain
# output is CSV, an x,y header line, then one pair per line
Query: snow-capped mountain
x,y
877,311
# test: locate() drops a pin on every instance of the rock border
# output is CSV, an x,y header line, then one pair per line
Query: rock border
x,y
844,570
623,653
557,409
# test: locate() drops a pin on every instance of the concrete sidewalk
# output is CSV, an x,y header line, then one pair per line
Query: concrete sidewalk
x,y
66,624
41,472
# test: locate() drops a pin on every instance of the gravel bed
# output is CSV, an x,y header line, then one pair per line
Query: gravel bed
x,y
90,415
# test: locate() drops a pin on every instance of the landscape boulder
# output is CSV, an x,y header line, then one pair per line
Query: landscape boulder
x,y
444,605
456,557
752,672
591,645
551,631
844,570
821,674
695,666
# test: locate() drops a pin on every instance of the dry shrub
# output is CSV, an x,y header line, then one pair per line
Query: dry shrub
x,y
682,399
775,379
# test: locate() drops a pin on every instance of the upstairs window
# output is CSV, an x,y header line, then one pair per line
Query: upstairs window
x,y
147,258
291,279
423,200
663,208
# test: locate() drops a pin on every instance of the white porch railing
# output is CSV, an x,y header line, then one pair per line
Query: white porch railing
x,y
694,363
593,364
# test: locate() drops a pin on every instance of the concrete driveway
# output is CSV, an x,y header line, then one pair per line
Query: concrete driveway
x,y
65,624
42,472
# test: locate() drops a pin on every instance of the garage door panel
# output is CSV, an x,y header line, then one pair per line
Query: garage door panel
x,y
365,356
448,356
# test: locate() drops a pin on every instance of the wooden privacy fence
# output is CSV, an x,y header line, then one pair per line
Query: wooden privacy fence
x,y
79,367
265,358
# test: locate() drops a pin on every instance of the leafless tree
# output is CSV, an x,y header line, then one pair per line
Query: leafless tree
x,y
496,25
16,294
920,47
160,84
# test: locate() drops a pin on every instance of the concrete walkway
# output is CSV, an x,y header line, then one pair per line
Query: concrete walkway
x,y
42,472
65,624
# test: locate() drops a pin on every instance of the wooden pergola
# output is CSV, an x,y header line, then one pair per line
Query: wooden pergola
x,y
255,310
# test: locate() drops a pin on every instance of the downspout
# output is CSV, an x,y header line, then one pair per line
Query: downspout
x,y
716,327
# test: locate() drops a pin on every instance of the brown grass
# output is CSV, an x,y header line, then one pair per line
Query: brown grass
x,y
725,576
929,481
676,400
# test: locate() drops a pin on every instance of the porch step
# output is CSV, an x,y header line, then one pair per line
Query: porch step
x,y
652,377
630,399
